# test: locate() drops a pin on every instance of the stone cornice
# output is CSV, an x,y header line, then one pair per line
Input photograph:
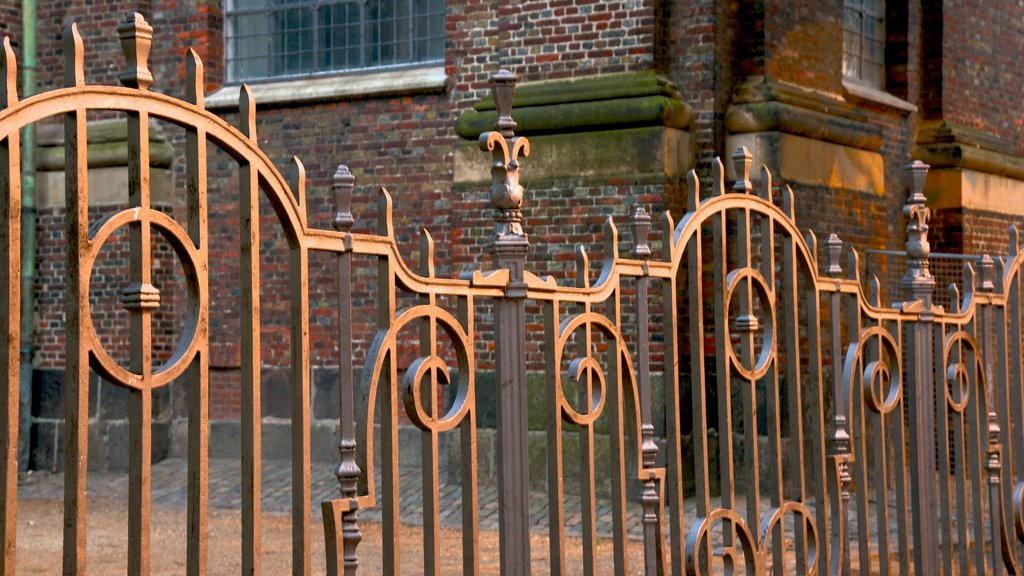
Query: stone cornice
x,y
944,145
761,105
614,101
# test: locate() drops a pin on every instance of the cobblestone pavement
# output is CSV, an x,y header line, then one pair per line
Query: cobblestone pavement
x,y
169,489
170,481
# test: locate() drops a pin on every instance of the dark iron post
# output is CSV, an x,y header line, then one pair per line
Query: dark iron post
x,y
508,247
348,471
918,286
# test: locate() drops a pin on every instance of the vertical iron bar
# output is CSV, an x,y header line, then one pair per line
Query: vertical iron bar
x,y
249,252
945,518
902,485
720,268
197,376
135,298
746,325
824,463
76,379
429,467
789,311
389,404
673,400
556,487
348,471
918,285
650,495
839,444
585,394
616,420
467,439
140,298
1015,384
513,471
977,432
508,248
298,262
1003,407
10,302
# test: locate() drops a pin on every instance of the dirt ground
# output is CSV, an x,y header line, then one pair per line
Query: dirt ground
x,y
40,525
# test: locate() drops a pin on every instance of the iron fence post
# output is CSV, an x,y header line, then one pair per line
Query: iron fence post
x,y
348,470
508,247
918,287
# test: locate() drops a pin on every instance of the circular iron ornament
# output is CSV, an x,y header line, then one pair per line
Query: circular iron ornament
x,y
767,354
435,368
1018,510
878,377
958,387
579,367
959,378
697,541
777,516
878,373
191,262
881,383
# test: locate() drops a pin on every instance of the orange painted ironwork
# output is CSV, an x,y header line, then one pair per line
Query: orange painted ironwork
x,y
894,435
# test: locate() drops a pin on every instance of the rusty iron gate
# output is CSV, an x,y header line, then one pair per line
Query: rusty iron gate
x,y
894,435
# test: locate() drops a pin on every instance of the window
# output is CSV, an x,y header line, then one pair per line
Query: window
x,y
281,38
864,42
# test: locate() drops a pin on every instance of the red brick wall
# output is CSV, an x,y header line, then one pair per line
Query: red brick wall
x,y
982,69
706,47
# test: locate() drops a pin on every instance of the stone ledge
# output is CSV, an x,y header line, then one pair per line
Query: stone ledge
x,y
944,145
760,105
339,87
107,145
107,187
796,159
858,91
613,101
610,153
964,189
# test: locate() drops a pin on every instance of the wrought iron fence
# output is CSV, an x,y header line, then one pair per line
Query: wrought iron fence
x,y
882,447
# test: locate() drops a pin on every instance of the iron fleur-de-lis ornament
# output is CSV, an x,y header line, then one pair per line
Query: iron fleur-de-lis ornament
x,y
918,283
506,193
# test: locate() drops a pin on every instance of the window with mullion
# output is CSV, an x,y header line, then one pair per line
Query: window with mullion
x,y
280,38
864,41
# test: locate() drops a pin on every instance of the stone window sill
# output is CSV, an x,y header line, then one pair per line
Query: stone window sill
x,y
340,87
857,91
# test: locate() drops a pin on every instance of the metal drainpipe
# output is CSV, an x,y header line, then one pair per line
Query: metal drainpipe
x,y
28,232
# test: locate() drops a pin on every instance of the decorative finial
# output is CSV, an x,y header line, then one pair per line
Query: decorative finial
x,y
503,87
834,247
741,161
918,284
9,71
136,39
506,149
986,269
343,184
918,173
641,228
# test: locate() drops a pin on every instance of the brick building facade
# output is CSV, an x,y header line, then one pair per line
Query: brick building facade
x,y
620,98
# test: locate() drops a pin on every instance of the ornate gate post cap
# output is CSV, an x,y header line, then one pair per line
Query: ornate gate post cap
x,y
506,194
136,40
343,184
503,86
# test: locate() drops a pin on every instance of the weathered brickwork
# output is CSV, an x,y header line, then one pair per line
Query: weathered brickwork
x,y
980,88
956,62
